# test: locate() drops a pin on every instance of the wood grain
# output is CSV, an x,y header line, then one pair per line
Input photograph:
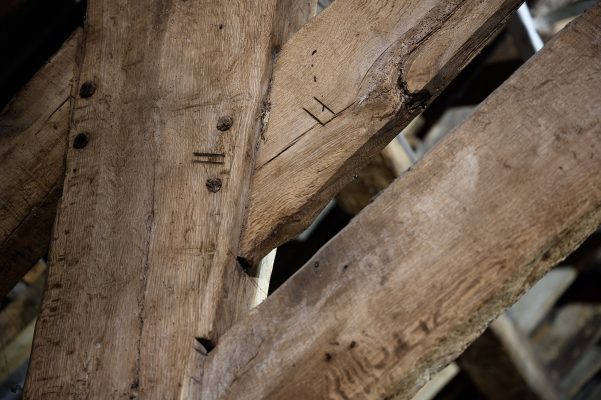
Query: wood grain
x,y
420,273
33,139
143,268
357,69
343,87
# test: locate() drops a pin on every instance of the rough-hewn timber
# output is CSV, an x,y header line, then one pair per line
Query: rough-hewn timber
x,y
25,236
143,271
33,140
416,276
430,40
343,87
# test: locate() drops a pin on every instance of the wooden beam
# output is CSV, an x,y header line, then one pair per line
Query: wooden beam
x,y
301,180
343,87
17,314
143,272
33,140
419,274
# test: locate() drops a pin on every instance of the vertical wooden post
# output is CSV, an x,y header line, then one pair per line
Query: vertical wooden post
x,y
143,270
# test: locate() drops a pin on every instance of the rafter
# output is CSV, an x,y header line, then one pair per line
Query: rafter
x,y
343,87
416,276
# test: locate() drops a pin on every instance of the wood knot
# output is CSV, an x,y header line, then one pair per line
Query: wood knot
x,y
87,89
224,123
213,184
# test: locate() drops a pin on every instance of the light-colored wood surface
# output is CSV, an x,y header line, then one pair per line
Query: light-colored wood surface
x,y
358,67
143,266
33,139
420,273
343,87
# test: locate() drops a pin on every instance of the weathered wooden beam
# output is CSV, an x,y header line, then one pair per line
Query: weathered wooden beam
x,y
33,140
25,124
420,273
431,36
343,87
143,271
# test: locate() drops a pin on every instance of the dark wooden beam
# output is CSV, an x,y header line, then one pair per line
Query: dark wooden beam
x,y
33,141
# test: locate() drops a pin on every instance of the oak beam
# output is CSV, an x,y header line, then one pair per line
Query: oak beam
x,y
143,273
433,39
421,272
343,87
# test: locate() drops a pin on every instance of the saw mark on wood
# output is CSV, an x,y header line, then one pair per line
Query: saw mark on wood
x,y
313,116
323,105
212,158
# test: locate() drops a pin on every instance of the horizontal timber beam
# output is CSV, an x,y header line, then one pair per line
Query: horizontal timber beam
x,y
294,177
420,273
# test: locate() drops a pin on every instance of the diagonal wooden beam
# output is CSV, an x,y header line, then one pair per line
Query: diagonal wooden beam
x,y
33,141
343,87
416,276
143,273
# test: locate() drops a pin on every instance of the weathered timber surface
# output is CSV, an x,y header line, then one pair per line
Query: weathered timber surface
x,y
419,274
343,87
21,247
33,139
356,67
143,255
